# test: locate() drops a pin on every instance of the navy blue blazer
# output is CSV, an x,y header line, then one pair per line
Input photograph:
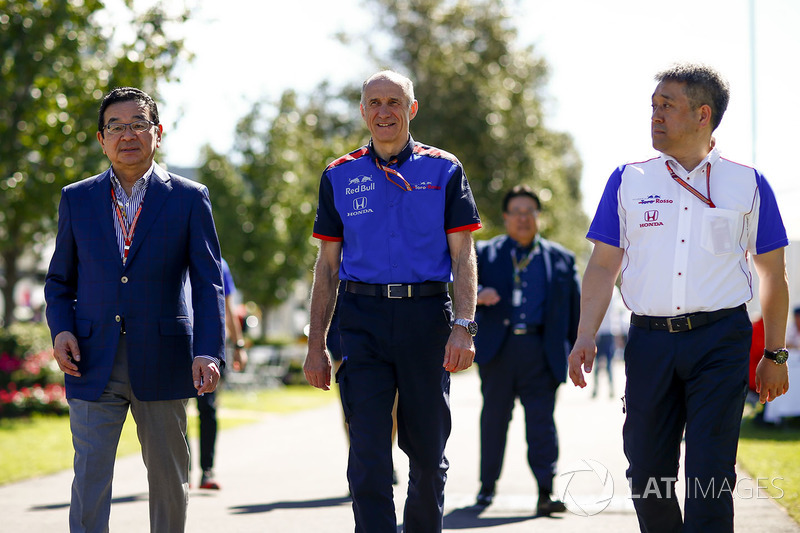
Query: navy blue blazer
x,y
562,301
89,292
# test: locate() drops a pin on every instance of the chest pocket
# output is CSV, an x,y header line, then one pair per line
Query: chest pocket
x,y
720,226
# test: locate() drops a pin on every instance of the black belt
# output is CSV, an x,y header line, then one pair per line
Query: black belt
x,y
676,324
527,329
396,290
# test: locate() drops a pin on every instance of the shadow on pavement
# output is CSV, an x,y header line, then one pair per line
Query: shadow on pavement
x,y
469,518
307,504
133,498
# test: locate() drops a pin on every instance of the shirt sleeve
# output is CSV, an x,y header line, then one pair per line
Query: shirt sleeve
x,y
606,225
460,213
770,232
227,279
327,224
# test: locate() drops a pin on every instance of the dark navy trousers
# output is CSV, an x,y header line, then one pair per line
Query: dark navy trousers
x,y
694,381
519,370
394,345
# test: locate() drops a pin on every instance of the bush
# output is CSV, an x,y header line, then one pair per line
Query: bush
x,y
30,380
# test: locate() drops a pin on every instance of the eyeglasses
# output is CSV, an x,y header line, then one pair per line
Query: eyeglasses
x,y
523,213
138,127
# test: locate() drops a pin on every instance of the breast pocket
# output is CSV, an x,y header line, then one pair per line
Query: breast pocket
x,y
719,230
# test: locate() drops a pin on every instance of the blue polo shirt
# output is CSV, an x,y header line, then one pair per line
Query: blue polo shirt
x,y
390,234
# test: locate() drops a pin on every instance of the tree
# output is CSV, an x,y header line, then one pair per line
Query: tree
x,y
481,99
57,60
264,206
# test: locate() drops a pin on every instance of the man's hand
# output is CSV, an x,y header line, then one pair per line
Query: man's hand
x,y
317,368
239,359
581,359
205,374
488,296
67,353
772,380
459,351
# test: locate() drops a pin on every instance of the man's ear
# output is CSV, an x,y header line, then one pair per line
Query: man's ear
x,y
414,108
705,115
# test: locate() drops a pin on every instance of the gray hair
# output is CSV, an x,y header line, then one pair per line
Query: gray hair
x,y
395,77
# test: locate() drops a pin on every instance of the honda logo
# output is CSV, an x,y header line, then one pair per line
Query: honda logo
x,y
360,203
651,216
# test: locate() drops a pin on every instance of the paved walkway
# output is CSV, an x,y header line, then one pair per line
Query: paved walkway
x,y
287,474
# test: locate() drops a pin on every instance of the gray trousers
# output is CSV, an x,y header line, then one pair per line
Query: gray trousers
x,y
96,427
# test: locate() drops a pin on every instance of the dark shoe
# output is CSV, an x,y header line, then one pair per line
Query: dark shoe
x,y
207,481
484,498
546,507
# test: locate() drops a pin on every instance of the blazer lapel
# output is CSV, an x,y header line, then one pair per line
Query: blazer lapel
x,y
157,192
100,199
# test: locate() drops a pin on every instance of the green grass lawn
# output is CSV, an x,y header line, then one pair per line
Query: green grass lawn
x,y
42,444
772,453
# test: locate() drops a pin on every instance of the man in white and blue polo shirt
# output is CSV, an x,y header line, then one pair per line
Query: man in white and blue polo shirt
x,y
680,229
394,221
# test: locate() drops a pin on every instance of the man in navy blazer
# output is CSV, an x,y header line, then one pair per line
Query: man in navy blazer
x,y
118,317
527,314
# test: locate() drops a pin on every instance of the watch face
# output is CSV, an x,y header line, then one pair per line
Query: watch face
x,y
473,328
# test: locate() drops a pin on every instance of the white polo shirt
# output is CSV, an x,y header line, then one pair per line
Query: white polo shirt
x,y
682,256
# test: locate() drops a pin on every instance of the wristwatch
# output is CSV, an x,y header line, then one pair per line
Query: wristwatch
x,y
779,356
240,343
471,325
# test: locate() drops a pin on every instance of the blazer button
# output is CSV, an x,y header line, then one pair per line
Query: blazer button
x,y
506,322
124,279
117,318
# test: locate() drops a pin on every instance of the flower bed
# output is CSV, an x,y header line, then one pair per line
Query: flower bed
x,y
30,380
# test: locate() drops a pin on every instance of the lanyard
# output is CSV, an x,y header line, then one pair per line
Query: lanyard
x,y
520,265
127,231
691,189
387,171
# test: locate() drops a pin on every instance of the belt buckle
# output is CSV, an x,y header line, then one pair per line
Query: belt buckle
x,y
677,327
389,291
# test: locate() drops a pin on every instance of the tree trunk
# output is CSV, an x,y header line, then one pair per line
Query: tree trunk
x,y
10,282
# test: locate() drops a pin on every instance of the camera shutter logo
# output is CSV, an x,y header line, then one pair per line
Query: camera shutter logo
x,y
587,488
651,216
360,203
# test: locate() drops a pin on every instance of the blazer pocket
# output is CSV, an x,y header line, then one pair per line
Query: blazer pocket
x,y
83,327
175,326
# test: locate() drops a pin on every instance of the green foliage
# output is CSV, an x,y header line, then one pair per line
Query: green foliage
x,y
481,99
264,206
57,60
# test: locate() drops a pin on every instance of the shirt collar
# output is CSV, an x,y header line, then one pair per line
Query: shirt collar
x,y
711,158
140,183
400,158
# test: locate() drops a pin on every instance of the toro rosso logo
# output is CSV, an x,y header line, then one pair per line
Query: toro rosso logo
x,y
653,199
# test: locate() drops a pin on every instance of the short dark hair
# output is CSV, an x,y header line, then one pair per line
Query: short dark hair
x,y
520,190
127,94
703,86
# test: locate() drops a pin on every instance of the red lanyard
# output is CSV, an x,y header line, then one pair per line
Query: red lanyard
x,y
387,170
127,232
691,189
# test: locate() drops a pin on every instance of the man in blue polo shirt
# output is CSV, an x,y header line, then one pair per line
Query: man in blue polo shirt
x,y
394,221
684,225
